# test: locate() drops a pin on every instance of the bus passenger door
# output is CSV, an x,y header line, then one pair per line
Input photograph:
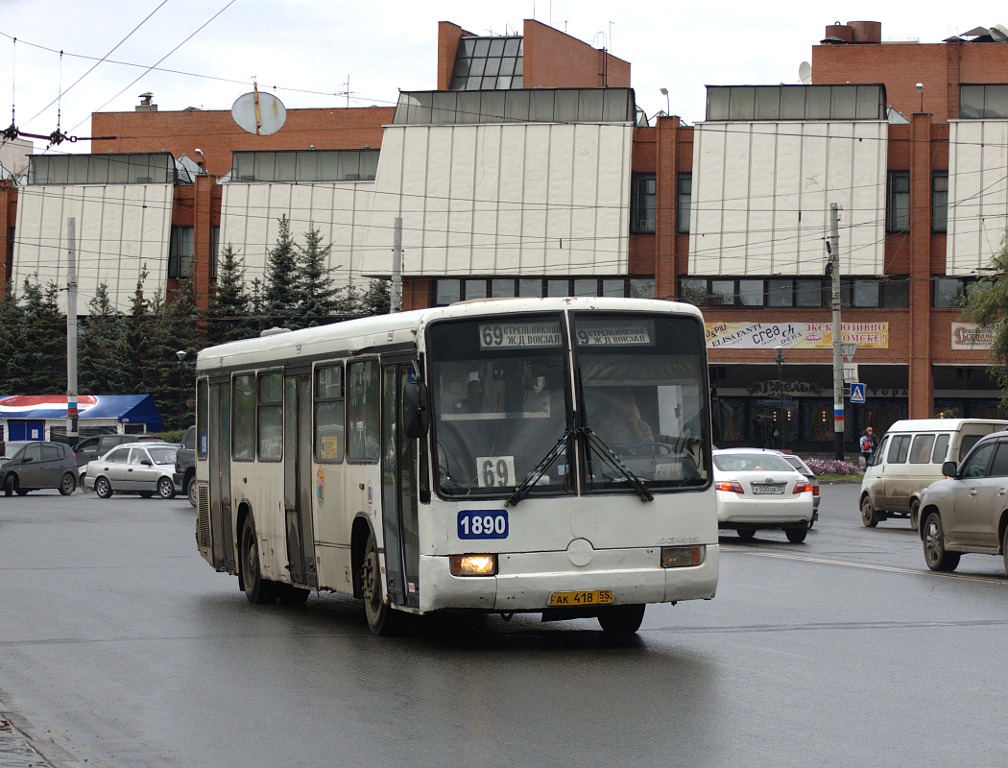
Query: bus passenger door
x,y
219,476
297,453
399,494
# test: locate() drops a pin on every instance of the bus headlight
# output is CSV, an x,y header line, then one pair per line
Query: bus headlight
x,y
474,565
681,557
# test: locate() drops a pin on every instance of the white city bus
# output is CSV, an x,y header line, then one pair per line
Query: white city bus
x,y
517,455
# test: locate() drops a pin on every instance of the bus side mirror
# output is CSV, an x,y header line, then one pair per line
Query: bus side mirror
x,y
415,415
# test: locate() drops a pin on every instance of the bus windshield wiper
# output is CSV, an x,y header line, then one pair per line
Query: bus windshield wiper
x,y
607,453
540,469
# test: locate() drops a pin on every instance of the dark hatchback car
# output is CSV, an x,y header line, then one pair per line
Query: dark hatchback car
x,y
39,465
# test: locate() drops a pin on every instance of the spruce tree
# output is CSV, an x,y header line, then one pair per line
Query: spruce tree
x,y
230,303
178,329
318,296
102,368
377,300
281,289
10,326
38,365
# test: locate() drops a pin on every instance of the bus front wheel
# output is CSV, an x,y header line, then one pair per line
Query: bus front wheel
x,y
257,589
621,619
379,613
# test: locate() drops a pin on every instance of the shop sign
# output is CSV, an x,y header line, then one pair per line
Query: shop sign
x,y
774,387
971,336
724,335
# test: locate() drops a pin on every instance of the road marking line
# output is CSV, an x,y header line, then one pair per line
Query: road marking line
x,y
869,567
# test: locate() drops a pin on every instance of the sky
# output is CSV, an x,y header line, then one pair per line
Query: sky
x,y
62,60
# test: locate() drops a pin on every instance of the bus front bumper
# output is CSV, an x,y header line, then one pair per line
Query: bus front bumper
x,y
525,582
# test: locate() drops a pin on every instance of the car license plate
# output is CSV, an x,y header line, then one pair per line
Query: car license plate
x,y
588,597
766,489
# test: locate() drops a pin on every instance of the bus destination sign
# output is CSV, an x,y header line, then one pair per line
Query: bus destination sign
x,y
613,334
518,334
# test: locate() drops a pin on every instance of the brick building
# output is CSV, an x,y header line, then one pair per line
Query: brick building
x,y
529,171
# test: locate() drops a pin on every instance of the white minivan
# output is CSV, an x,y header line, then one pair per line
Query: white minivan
x,y
909,458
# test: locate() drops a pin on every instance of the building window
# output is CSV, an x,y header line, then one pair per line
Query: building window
x,y
898,202
693,290
948,292
447,291
488,63
180,253
642,203
780,293
809,293
684,202
750,293
531,287
939,201
866,293
895,293
642,288
722,293
475,288
214,251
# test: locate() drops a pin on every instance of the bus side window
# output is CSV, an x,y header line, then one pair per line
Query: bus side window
x,y
363,423
329,413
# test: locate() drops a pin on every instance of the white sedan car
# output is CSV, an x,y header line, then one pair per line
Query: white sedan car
x,y
145,468
757,489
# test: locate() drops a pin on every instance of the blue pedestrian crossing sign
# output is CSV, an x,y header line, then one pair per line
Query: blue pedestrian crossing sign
x,y
857,392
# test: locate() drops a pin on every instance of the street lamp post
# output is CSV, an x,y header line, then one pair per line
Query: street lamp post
x,y
780,392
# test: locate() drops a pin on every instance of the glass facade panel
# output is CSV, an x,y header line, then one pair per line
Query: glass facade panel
x,y
585,286
693,290
743,103
768,103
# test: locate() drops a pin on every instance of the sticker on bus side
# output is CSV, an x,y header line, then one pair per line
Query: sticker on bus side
x,y
483,524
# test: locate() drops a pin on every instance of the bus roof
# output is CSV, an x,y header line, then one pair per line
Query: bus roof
x,y
400,329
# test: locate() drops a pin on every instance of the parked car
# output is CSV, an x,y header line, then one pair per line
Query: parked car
x,y
93,447
145,468
185,465
968,511
757,489
803,469
37,465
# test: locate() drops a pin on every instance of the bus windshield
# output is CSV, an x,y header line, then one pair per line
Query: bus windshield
x,y
500,392
504,404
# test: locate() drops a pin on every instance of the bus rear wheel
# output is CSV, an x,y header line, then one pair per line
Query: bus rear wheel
x,y
379,613
258,590
621,619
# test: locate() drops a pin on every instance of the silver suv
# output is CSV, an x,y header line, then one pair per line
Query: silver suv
x,y
968,510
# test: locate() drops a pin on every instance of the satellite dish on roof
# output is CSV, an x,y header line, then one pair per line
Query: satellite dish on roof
x,y
805,72
259,113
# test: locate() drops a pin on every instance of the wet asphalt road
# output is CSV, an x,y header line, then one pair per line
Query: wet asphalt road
x,y
120,647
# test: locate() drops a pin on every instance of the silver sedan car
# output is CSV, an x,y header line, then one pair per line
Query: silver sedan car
x,y
143,468
758,489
